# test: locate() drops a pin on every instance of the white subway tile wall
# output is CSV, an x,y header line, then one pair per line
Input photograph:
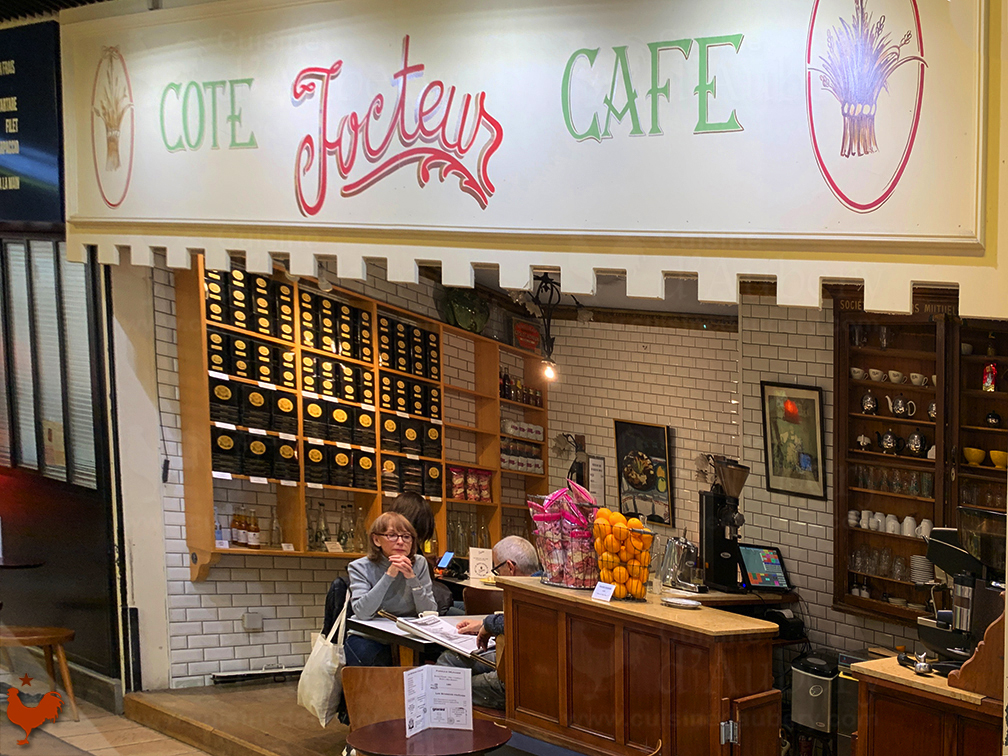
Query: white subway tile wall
x,y
686,379
795,345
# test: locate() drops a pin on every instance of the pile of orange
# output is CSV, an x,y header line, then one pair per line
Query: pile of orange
x,y
624,552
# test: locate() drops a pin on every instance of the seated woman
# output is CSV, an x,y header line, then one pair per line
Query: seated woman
x,y
392,578
415,508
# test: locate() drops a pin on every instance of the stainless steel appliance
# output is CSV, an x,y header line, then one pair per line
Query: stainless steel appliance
x,y
680,566
814,691
720,521
974,555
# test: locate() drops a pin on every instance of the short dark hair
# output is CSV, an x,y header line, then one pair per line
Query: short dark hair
x,y
415,508
389,522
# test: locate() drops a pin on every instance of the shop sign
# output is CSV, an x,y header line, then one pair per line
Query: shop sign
x,y
708,120
30,132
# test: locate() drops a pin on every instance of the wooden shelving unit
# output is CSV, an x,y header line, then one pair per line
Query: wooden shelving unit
x,y
981,486
915,344
292,500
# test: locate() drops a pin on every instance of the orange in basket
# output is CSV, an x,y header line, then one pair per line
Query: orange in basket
x,y
625,556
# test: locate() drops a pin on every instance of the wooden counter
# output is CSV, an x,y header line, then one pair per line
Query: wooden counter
x,y
902,712
618,678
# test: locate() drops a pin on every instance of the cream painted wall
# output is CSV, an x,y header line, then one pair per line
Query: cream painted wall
x,y
140,464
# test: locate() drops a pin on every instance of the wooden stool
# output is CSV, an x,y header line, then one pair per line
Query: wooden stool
x,y
46,638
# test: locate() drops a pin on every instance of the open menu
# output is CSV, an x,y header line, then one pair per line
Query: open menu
x,y
442,631
437,697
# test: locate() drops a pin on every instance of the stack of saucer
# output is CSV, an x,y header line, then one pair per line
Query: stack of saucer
x,y
921,570
897,601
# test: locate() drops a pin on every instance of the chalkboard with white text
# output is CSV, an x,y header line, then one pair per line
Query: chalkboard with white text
x,y
30,127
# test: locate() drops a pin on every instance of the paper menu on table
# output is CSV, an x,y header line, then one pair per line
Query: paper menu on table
x,y
437,697
440,630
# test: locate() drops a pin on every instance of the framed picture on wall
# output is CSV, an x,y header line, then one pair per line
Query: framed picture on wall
x,y
644,470
794,439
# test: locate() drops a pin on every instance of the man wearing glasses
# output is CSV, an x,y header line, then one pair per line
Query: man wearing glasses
x,y
513,556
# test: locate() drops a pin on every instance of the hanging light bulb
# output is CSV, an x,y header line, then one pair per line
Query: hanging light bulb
x,y
549,370
323,282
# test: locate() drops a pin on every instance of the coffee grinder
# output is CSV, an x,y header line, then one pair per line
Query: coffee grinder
x,y
720,521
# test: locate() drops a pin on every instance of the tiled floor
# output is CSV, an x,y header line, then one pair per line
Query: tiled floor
x,y
99,733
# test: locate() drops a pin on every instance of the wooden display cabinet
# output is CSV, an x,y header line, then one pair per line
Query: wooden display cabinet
x,y
980,485
480,374
884,482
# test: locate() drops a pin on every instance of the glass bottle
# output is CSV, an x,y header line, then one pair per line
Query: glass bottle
x,y
432,545
276,533
360,532
254,536
506,394
991,345
484,534
323,529
312,530
242,534
218,530
342,535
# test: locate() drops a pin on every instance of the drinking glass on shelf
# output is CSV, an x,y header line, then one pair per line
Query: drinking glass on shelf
x,y
967,495
885,336
882,479
913,483
899,569
989,496
927,485
860,558
885,562
896,481
872,566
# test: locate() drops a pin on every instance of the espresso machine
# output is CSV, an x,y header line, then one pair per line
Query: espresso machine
x,y
720,521
973,555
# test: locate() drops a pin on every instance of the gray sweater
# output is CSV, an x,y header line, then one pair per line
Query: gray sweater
x,y
372,589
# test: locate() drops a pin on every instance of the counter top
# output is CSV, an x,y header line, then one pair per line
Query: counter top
x,y
890,670
705,620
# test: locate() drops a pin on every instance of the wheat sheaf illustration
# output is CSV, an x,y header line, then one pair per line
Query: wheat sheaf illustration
x,y
112,105
859,60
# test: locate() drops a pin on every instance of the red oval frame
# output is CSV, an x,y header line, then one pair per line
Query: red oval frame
x,y
911,136
94,151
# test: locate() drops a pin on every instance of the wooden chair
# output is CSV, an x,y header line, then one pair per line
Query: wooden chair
x,y
47,638
482,600
373,694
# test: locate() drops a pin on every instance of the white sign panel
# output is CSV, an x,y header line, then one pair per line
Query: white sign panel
x,y
700,118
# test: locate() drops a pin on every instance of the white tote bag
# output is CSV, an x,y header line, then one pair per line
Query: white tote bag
x,y
321,686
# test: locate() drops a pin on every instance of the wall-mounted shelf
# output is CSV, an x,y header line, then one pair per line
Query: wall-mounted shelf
x,y
293,497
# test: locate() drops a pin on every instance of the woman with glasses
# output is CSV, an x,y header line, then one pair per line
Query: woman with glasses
x,y
392,578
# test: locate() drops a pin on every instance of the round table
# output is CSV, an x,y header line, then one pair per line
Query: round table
x,y
389,739
22,564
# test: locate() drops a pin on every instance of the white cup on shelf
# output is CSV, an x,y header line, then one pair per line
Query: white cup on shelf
x,y
910,526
